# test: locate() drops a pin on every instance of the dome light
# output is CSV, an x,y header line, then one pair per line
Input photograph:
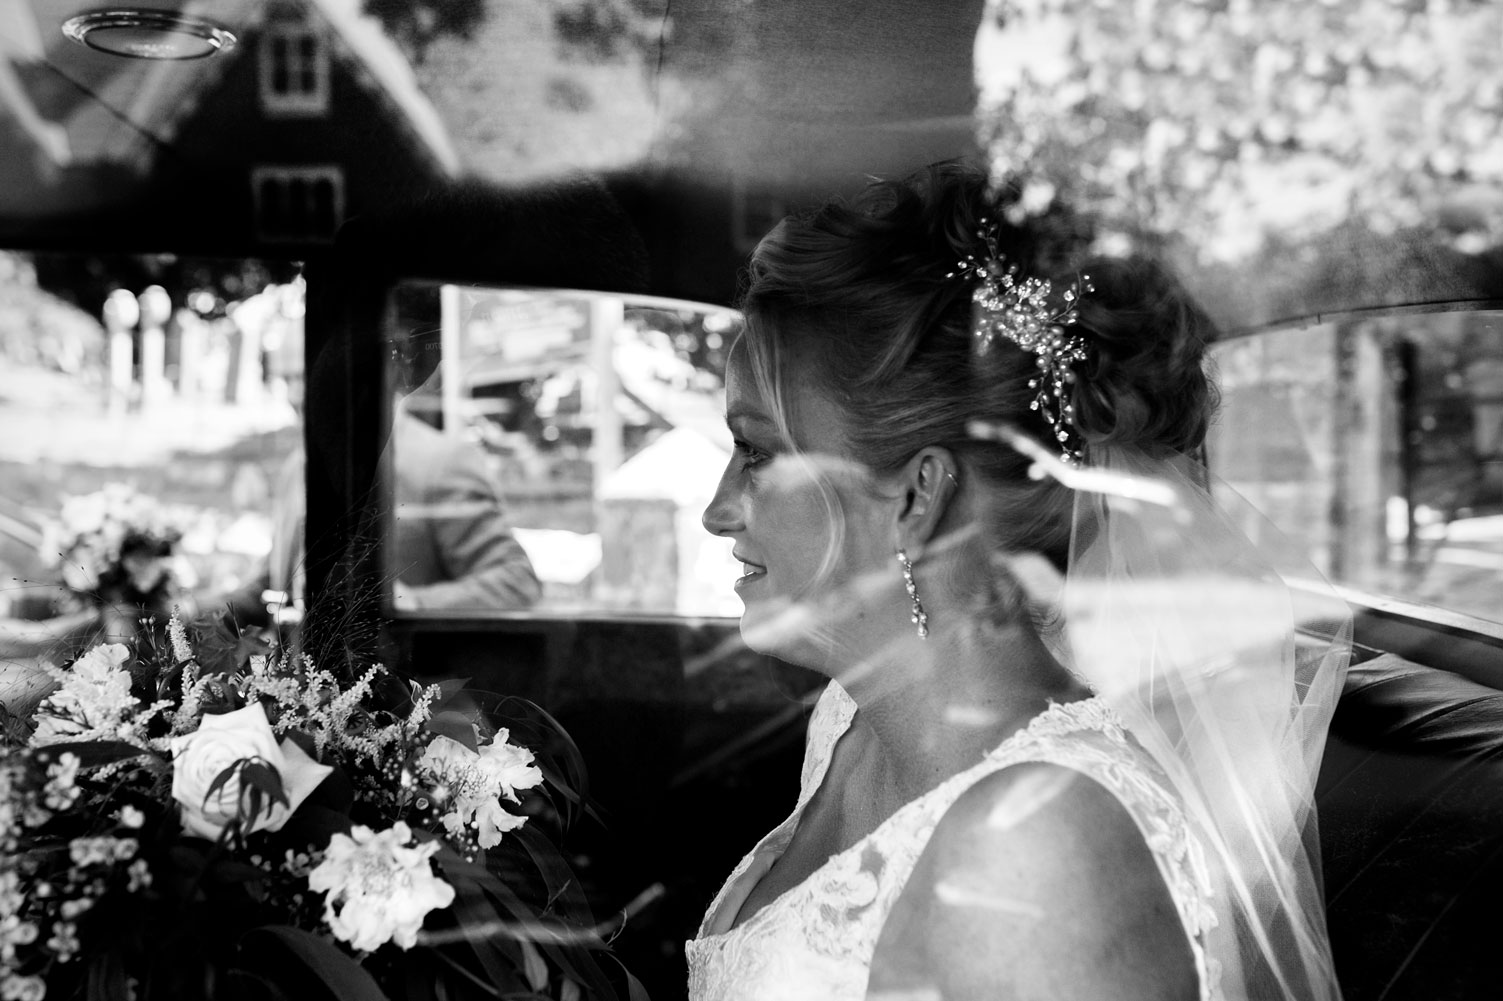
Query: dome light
x,y
148,34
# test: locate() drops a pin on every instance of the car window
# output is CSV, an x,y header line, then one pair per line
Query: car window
x,y
152,406
551,451
1376,442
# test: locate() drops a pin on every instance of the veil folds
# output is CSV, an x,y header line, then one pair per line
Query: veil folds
x,y
1225,659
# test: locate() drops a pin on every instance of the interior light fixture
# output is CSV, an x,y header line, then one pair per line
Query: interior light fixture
x,y
148,34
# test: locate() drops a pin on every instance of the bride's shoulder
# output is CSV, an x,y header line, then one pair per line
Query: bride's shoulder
x,y
1039,871
1061,815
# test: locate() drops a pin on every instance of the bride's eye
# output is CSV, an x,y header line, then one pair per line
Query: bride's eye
x,y
750,455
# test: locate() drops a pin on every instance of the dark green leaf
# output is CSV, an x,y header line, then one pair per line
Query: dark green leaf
x,y
447,690
573,782
471,910
304,741
261,779
312,824
230,871
95,752
243,985
573,957
343,978
106,976
559,880
634,989
567,947
223,778
454,725
501,969
335,792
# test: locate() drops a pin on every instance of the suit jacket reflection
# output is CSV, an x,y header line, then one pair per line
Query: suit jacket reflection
x,y
452,548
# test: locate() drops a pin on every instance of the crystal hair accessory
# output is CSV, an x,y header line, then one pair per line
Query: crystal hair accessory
x,y
1022,310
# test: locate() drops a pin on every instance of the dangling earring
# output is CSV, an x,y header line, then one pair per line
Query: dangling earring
x,y
919,618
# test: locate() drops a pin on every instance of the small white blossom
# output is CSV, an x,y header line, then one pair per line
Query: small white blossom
x,y
9,793
140,875
182,652
130,816
14,932
11,897
102,850
18,988
71,909
60,792
298,863
64,940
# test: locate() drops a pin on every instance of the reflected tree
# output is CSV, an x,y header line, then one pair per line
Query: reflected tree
x,y
86,280
1216,123
417,24
606,28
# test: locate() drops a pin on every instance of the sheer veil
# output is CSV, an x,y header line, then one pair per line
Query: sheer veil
x,y
1225,659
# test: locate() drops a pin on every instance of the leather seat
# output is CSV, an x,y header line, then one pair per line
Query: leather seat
x,y
1410,802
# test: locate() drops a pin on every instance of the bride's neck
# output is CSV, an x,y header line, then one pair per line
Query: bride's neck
x,y
931,707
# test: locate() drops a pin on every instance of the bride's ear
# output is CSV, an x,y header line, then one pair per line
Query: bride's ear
x,y
930,482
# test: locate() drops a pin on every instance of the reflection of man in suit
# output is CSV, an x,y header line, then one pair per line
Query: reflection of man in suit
x,y
452,547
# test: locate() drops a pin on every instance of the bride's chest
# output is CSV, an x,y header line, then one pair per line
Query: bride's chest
x,y
850,803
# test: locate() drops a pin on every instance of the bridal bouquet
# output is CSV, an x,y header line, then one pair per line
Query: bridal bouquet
x,y
174,829
118,544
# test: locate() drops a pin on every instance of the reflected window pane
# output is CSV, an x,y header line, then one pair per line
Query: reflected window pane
x,y
552,451
1378,443
154,445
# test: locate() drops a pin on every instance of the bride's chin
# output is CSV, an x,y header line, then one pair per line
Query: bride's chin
x,y
784,629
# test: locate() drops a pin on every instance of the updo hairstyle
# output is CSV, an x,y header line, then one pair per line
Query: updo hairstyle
x,y
855,296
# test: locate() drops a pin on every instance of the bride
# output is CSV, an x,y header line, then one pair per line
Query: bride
x,y
1019,782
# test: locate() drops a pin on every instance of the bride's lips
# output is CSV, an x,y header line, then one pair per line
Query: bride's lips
x,y
749,572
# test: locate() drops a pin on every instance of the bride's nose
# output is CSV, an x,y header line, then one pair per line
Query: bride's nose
x,y
723,514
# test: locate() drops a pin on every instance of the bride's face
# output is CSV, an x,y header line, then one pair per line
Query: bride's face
x,y
812,527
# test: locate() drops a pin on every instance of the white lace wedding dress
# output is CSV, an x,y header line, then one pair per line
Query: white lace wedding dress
x,y
816,941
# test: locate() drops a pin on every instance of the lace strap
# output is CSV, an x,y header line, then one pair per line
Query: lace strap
x,y
831,718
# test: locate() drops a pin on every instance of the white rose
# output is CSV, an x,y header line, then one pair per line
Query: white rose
x,y
200,757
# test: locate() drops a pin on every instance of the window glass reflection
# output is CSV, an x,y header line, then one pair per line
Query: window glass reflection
x,y
552,451
151,406
1377,442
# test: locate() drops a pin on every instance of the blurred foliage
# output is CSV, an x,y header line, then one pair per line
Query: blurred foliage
x,y
86,280
592,29
532,90
416,24
38,328
1215,124
606,28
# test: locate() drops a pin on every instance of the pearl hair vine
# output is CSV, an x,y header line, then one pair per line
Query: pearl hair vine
x,y
1022,311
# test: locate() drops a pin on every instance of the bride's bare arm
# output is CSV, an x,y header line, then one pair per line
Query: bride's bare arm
x,y
1036,884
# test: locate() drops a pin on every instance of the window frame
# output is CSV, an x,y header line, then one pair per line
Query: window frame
x,y
1388,623
287,176
294,102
